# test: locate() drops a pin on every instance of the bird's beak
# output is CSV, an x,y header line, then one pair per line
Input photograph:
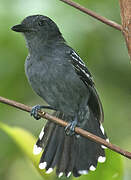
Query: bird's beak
x,y
21,28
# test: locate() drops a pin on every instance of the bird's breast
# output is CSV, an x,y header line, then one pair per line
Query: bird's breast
x,y
57,84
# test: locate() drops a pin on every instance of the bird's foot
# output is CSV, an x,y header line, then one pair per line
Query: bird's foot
x,y
70,128
35,110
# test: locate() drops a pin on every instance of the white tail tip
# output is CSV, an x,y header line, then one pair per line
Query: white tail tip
x,y
60,174
36,150
83,172
43,165
92,168
49,170
101,159
68,175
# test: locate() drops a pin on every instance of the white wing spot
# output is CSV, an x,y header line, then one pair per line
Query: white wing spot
x,y
84,72
77,58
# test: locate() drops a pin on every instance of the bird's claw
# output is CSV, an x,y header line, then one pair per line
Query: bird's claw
x,y
34,112
70,128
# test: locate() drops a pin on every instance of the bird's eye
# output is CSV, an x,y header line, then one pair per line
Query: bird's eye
x,y
41,23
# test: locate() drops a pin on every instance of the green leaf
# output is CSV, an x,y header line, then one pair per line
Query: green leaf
x,y
112,169
25,142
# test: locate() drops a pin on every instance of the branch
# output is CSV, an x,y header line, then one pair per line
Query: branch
x,y
79,131
93,14
125,6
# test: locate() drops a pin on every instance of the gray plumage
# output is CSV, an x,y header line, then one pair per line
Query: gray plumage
x,y
58,75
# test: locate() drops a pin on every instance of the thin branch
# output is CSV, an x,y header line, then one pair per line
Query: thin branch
x,y
125,7
79,131
93,14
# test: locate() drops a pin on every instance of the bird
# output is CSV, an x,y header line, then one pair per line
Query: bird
x,y
61,78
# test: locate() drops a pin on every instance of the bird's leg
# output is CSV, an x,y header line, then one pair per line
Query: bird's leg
x,y
37,108
70,128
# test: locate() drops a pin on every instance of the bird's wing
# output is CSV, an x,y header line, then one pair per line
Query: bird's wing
x,y
81,69
84,74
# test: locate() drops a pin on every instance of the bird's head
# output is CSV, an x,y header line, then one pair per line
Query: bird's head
x,y
38,28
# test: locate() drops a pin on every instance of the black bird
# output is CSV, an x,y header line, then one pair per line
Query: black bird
x,y
59,76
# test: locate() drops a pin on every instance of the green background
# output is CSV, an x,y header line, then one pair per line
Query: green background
x,y
101,47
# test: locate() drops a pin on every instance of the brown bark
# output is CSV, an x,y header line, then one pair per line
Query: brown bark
x,y
125,6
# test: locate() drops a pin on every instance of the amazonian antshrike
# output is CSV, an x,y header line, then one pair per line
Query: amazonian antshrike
x,y
59,76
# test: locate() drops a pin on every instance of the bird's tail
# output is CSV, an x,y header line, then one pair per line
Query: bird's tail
x,y
70,154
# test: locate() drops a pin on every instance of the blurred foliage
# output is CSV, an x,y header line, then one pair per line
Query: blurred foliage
x,y
101,47
25,142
